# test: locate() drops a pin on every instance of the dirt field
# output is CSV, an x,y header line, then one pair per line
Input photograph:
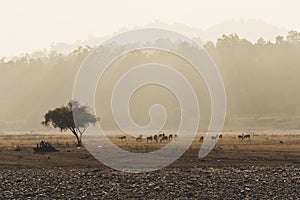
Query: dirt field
x,y
264,167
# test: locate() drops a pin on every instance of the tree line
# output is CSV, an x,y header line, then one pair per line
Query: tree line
x,y
261,79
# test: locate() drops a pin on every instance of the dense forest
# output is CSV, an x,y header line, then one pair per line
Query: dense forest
x,y
261,79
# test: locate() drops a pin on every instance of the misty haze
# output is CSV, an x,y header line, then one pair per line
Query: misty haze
x,y
261,82
142,99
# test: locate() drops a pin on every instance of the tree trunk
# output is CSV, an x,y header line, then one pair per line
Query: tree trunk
x,y
78,135
79,144
78,140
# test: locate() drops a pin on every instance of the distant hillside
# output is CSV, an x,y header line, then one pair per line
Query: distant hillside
x,y
244,28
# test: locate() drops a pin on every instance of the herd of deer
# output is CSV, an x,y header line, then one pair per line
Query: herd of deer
x,y
161,137
214,137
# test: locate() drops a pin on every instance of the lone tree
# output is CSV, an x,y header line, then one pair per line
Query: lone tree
x,y
63,119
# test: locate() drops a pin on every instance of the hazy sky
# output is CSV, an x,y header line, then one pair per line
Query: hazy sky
x,y
34,24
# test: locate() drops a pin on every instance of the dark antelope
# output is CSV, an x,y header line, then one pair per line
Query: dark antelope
x,y
201,139
246,137
149,138
139,138
240,137
164,137
155,137
122,138
214,137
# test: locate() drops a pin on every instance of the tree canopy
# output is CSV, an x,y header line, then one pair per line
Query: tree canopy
x,y
63,118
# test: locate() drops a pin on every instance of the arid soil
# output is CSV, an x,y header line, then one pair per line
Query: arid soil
x,y
264,167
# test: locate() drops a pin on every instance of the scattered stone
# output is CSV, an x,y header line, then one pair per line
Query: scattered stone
x,y
169,183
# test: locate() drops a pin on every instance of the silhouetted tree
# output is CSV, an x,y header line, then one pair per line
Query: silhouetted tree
x,y
279,40
261,42
293,37
63,119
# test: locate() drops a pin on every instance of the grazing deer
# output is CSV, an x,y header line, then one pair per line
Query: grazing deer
x,y
246,136
214,137
139,138
155,137
122,138
201,139
240,137
164,137
149,138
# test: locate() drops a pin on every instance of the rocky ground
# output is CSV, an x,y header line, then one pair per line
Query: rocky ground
x,y
265,167
280,182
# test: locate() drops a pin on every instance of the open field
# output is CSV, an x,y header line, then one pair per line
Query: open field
x,y
264,167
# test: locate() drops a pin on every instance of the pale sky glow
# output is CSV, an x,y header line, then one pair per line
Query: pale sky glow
x,y
33,24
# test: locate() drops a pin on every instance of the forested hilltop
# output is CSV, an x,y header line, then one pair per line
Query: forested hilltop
x,y
261,79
